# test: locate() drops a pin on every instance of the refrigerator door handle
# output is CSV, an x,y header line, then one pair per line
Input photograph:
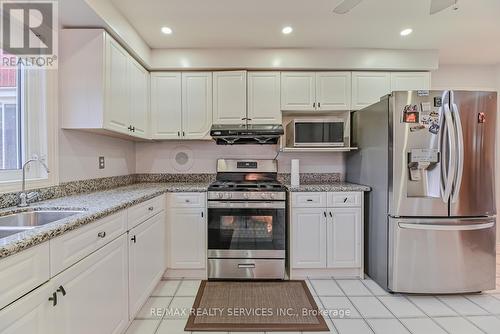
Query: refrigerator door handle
x,y
431,227
460,149
448,166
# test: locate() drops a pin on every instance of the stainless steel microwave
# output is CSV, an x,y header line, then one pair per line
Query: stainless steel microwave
x,y
316,132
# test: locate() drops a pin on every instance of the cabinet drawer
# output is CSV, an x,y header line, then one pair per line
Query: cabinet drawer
x,y
344,199
186,200
309,200
145,210
74,246
22,272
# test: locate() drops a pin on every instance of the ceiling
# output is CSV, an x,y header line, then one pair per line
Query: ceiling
x,y
470,35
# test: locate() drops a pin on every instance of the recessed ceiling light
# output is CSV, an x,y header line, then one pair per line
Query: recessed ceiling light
x,y
406,32
166,30
287,30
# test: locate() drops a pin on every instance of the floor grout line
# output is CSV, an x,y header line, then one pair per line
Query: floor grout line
x,y
353,305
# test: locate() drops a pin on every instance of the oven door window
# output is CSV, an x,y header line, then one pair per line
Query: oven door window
x,y
246,229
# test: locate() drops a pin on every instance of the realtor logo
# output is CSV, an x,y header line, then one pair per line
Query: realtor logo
x,y
29,33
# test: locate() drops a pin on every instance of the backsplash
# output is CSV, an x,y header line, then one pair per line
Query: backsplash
x,y
99,184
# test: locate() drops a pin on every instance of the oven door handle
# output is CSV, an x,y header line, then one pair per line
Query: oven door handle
x,y
246,205
246,265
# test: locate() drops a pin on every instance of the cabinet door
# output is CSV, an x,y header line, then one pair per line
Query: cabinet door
x,y
230,97
196,105
298,91
344,238
333,91
96,289
166,105
31,314
264,98
188,252
146,260
116,114
308,238
410,81
139,98
368,88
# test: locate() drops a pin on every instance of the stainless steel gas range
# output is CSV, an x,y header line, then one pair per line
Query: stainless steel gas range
x,y
246,221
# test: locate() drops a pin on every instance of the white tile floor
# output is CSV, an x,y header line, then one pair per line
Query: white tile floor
x,y
371,309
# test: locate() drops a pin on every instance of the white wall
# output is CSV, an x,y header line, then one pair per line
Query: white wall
x,y
159,157
466,77
79,152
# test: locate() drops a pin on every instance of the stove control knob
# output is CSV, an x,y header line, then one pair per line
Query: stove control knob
x,y
220,195
271,196
263,195
246,196
229,195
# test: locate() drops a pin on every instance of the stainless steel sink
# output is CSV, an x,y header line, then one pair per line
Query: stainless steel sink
x,y
33,219
7,232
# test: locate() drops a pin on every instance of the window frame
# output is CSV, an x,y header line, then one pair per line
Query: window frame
x,y
41,86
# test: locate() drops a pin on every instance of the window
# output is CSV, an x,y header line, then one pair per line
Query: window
x,y
10,120
27,125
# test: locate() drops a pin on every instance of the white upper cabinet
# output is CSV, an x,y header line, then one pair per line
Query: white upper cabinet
x,y
368,88
229,97
103,88
264,98
410,81
333,91
116,115
315,91
298,91
139,98
196,105
166,105
181,105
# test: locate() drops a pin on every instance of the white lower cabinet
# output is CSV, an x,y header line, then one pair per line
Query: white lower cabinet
x,y
309,242
324,236
188,252
344,238
92,295
146,260
31,314
186,217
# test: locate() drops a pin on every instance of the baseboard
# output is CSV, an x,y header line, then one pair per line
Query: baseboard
x,y
185,273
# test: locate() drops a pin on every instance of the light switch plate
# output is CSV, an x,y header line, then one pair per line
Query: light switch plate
x,y
101,162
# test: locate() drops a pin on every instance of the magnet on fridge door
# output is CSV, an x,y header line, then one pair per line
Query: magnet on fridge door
x,y
410,114
416,128
434,128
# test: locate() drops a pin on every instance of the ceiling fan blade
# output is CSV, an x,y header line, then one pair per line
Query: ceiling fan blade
x,y
346,6
439,5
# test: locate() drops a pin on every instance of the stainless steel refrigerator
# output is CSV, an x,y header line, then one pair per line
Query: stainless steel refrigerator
x,y
429,157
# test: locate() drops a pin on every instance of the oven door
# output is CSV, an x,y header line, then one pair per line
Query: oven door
x,y
246,229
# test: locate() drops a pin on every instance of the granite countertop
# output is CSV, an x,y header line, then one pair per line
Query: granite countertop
x,y
95,205
330,186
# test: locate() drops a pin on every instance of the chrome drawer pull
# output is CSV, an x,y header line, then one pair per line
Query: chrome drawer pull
x,y
309,200
246,265
151,208
101,234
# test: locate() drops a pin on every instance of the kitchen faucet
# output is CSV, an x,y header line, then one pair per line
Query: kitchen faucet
x,y
23,197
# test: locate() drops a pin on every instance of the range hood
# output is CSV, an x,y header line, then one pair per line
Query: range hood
x,y
246,134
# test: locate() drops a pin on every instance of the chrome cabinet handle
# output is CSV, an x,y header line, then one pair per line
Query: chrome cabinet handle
x,y
188,201
324,213
134,239
151,208
101,234
314,104
309,200
330,214
345,199
319,104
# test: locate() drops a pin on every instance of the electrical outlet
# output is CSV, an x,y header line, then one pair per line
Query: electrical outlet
x,y
101,162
